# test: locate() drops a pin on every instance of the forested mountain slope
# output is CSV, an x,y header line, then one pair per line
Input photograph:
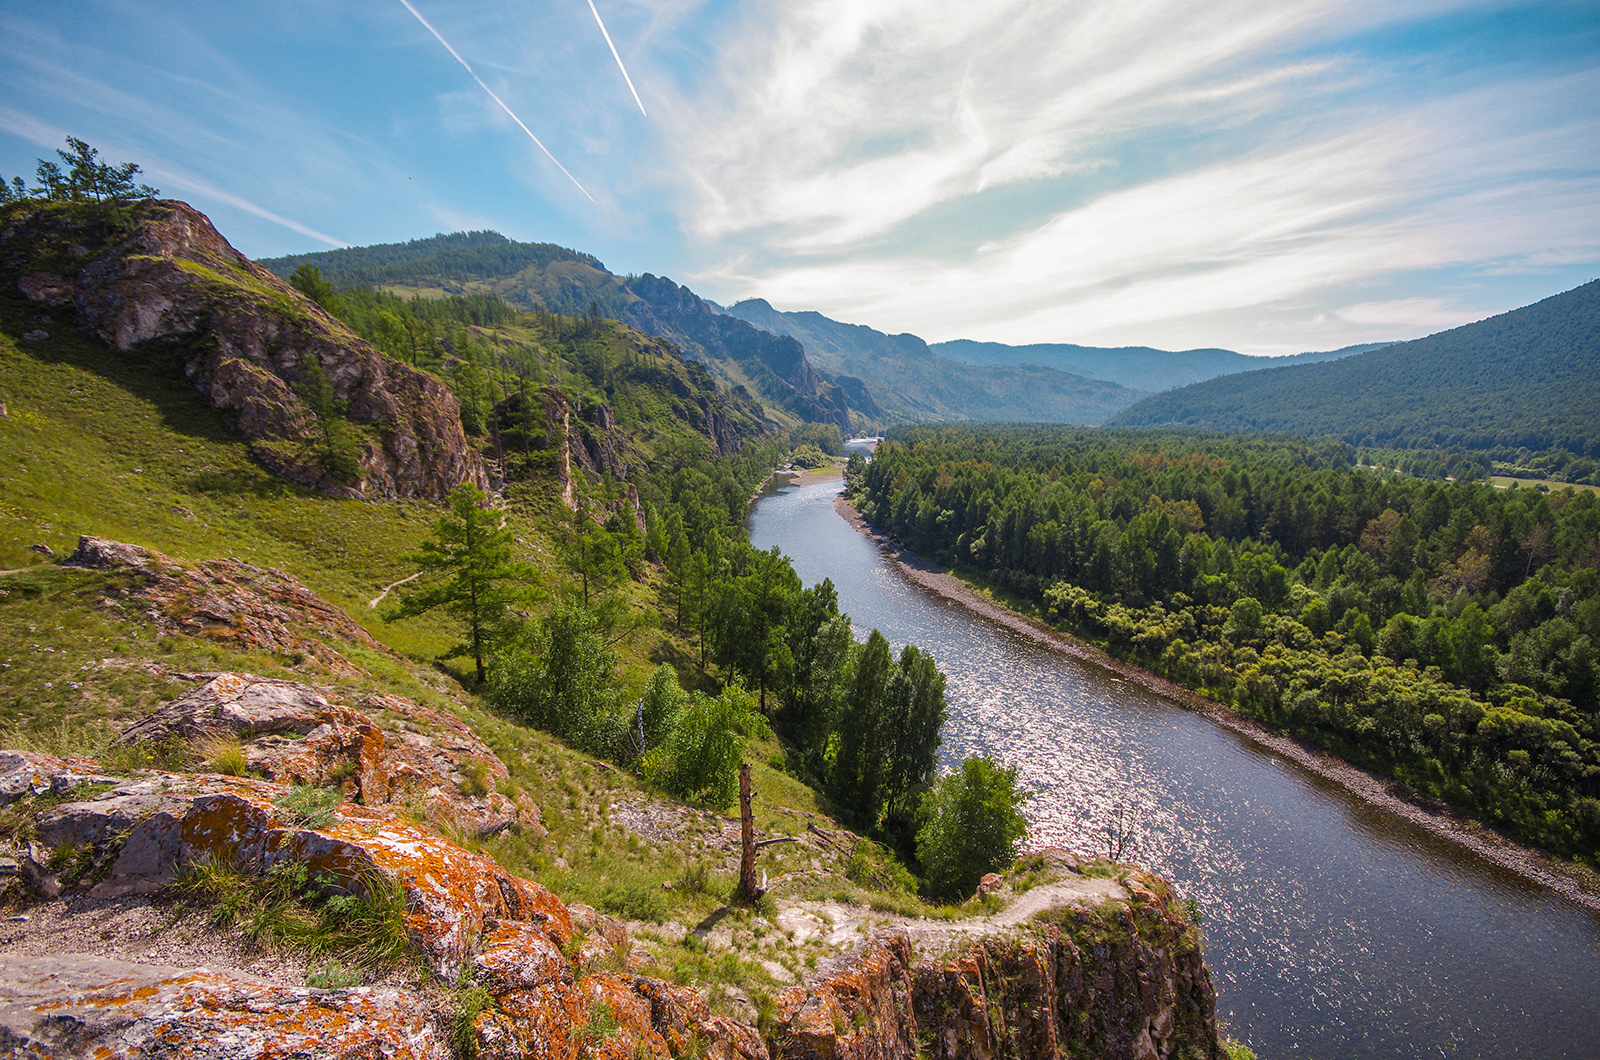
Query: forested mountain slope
x,y
547,278
1138,367
1530,378
912,382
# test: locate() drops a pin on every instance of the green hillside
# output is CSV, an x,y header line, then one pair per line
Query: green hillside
x,y
1529,379
543,278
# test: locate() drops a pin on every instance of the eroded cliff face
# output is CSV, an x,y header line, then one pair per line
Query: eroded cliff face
x,y
172,289
1115,979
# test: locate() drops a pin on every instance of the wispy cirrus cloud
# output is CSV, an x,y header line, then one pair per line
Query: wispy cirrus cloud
x,y
1129,172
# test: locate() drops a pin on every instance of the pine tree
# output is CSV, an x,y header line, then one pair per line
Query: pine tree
x,y
481,579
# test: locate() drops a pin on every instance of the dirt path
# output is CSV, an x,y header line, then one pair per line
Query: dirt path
x,y
1569,880
845,927
376,600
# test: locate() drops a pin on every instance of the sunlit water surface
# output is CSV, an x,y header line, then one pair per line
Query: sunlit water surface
x,y
1333,929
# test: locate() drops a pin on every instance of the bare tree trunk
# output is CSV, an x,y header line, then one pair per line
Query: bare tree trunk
x,y
749,892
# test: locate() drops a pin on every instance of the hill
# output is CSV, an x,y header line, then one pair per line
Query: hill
x,y
1138,367
546,278
914,383
1528,378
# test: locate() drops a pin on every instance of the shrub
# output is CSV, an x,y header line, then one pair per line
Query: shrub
x,y
699,759
972,824
563,686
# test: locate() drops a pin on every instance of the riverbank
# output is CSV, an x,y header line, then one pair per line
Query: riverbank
x,y
1568,880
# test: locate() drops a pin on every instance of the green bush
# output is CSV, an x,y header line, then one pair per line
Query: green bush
x,y
972,824
699,759
564,685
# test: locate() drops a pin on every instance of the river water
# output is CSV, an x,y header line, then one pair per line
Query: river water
x,y
1334,930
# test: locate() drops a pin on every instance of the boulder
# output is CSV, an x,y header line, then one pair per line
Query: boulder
x,y
292,734
72,1006
247,607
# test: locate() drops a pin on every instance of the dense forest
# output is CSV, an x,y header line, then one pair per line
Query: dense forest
x,y
1527,380
1443,633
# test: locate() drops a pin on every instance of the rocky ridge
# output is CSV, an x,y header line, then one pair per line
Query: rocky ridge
x,y
1117,975
172,288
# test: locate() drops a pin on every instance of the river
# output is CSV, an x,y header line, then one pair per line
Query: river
x,y
1334,929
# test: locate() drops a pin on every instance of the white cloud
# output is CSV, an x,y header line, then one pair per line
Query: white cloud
x,y
854,145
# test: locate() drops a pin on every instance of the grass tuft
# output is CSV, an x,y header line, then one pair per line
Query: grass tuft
x,y
307,807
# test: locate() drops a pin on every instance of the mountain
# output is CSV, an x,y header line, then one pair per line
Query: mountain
x,y
1138,367
1530,377
912,382
545,277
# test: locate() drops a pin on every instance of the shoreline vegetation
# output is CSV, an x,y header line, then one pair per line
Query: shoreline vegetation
x,y
1572,881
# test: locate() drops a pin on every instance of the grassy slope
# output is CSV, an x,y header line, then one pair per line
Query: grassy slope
x,y
97,445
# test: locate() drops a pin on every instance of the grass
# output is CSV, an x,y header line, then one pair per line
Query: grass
x,y
307,807
112,446
291,908
1509,481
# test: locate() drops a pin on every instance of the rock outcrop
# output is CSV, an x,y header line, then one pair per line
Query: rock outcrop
x,y
247,607
75,1005
249,343
1122,980
392,752
1114,977
541,965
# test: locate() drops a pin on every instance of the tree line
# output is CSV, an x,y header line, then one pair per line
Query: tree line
x,y
1445,633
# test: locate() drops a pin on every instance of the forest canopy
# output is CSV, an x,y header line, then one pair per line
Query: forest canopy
x,y
1444,633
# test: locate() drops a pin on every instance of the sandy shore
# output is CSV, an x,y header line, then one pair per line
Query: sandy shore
x,y
1564,878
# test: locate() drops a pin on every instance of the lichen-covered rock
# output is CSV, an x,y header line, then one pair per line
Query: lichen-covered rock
x,y
161,823
250,344
80,1007
246,607
864,1012
291,734
24,773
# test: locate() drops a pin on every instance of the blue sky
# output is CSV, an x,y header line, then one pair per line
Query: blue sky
x,y
1264,176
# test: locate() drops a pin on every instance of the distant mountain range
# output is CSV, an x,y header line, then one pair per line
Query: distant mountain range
x,y
1138,367
1530,377
1522,378
912,383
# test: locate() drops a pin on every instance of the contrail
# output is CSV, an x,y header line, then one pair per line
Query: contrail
x,y
496,98
618,58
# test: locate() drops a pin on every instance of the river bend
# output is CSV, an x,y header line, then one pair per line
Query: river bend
x,y
1334,929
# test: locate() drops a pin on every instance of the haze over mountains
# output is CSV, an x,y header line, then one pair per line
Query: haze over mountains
x,y
808,366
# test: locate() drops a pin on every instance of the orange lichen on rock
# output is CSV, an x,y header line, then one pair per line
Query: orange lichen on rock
x,y
74,1005
292,734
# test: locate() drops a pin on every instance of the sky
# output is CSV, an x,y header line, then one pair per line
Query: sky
x,y
1267,176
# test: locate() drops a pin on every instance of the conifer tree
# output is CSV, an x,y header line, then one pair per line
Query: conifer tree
x,y
480,579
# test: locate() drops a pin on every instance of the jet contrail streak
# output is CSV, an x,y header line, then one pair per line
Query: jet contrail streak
x,y
618,58
426,24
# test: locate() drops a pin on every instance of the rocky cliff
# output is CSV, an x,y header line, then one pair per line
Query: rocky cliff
x,y
170,289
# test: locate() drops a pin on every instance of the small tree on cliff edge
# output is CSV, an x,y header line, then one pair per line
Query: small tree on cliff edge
x,y
972,824
481,580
